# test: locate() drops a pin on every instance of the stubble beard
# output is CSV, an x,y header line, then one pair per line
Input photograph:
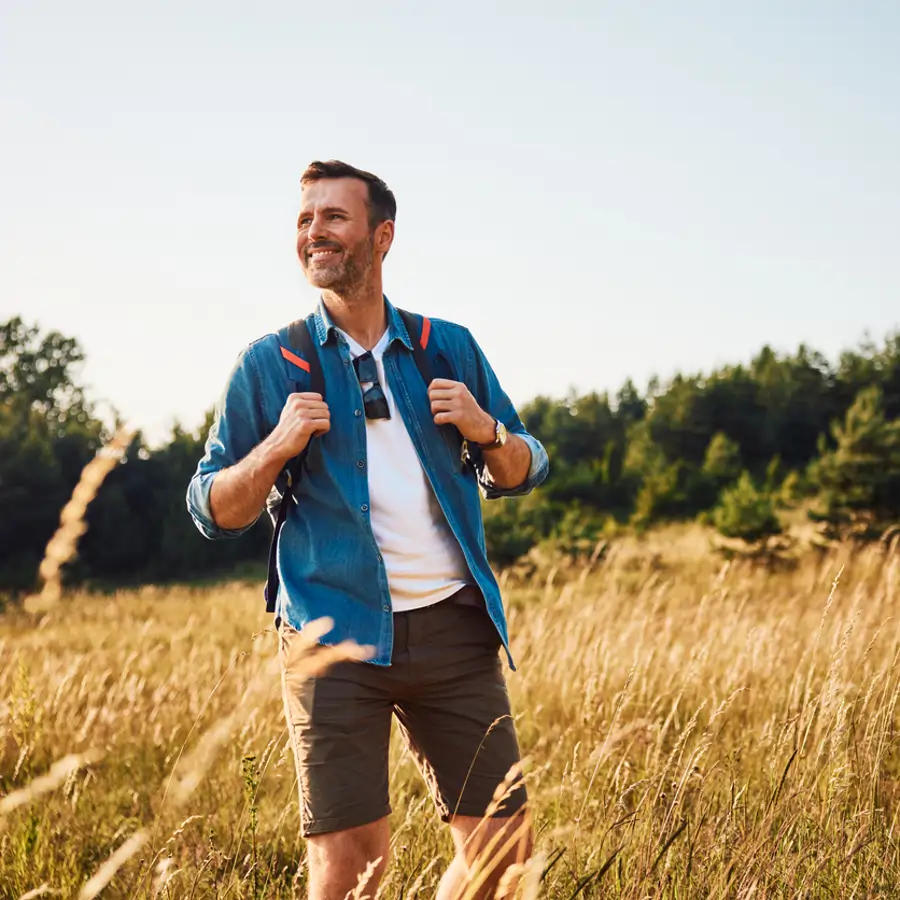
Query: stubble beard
x,y
351,275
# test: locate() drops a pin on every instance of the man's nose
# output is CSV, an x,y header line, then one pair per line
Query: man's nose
x,y
317,228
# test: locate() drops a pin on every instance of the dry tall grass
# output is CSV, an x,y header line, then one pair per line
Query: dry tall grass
x,y
693,730
72,525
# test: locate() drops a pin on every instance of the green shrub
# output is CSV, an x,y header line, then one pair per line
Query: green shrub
x,y
746,513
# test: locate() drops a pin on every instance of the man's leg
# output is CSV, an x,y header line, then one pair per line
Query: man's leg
x,y
457,720
486,851
340,725
339,859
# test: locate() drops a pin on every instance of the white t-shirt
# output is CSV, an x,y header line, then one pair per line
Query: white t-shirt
x,y
423,559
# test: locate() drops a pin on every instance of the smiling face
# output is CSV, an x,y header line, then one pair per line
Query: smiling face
x,y
337,244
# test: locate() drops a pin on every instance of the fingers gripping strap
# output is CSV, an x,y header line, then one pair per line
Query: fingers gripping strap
x,y
300,336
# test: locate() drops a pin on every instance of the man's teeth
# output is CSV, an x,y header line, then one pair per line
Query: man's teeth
x,y
316,253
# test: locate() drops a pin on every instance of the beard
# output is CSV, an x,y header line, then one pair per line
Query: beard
x,y
350,273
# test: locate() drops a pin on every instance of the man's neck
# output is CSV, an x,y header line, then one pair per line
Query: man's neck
x,y
361,314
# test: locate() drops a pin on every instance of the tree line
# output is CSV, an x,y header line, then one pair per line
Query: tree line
x,y
731,446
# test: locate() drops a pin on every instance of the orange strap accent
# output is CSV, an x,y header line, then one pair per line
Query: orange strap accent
x,y
296,360
426,332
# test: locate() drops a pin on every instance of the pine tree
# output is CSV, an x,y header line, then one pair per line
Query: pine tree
x,y
722,463
858,481
746,513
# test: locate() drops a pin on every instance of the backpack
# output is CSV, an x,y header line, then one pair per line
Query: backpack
x,y
299,336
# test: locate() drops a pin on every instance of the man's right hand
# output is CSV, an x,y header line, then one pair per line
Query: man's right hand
x,y
303,416
239,492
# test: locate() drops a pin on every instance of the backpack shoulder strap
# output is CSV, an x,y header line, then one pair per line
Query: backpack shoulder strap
x,y
419,328
299,336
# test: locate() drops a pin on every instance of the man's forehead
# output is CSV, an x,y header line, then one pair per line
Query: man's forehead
x,y
345,192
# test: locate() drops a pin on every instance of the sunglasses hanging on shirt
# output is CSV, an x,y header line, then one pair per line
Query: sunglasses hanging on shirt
x,y
374,401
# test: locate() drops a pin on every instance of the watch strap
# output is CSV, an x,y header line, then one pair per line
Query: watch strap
x,y
498,439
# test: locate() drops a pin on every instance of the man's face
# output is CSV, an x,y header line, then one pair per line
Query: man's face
x,y
335,242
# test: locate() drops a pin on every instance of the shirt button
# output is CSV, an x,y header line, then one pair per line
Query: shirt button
x,y
357,413
365,507
386,608
361,464
346,362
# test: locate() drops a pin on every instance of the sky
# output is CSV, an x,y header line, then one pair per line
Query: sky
x,y
597,190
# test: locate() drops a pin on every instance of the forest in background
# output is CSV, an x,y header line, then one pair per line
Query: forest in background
x,y
732,447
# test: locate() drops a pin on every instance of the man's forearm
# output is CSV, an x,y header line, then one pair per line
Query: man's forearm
x,y
239,492
509,465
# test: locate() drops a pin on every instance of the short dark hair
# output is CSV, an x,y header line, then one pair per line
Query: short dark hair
x,y
382,203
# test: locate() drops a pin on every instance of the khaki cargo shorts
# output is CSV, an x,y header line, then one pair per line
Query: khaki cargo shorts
x,y
446,687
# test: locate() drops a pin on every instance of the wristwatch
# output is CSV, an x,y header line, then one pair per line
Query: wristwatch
x,y
500,436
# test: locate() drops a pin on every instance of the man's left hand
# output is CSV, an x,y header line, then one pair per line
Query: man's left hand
x,y
452,404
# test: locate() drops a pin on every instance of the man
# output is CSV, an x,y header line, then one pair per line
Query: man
x,y
384,535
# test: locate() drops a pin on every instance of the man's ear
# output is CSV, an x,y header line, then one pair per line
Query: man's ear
x,y
384,237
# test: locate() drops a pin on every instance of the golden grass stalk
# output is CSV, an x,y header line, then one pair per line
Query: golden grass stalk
x,y
490,856
105,874
165,872
43,784
530,882
495,853
510,881
416,886
306,657
41,891
196,764
62,546
364,879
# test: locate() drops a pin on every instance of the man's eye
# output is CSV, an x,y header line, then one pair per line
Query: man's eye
x,y
303,222
335,216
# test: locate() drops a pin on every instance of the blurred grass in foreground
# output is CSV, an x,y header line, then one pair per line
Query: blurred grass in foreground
x,y
694,729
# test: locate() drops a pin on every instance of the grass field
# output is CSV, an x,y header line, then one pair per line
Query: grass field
x,y
694,729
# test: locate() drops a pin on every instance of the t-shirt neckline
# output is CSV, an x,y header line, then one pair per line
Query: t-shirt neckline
x,y
357,349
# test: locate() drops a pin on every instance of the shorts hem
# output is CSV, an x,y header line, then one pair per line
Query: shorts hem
x,y
342,823
513,806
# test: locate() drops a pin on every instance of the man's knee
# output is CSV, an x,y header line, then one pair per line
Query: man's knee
x,y
504,838
491,850
340,860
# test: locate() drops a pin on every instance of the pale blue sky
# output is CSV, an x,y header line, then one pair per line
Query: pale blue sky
x,y
598,190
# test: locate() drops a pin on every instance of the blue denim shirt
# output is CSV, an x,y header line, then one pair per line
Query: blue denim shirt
x,y
328,560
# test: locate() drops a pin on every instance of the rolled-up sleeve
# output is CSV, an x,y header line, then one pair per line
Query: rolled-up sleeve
x,y
494,400
238,426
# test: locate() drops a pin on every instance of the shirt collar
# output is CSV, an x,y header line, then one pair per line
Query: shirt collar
x,y
396,328
324,325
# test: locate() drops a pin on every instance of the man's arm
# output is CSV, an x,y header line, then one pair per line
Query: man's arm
x,y
244,453
510,471
509,465
238,493
452,403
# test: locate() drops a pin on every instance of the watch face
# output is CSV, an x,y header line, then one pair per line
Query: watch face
x,y
500,435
